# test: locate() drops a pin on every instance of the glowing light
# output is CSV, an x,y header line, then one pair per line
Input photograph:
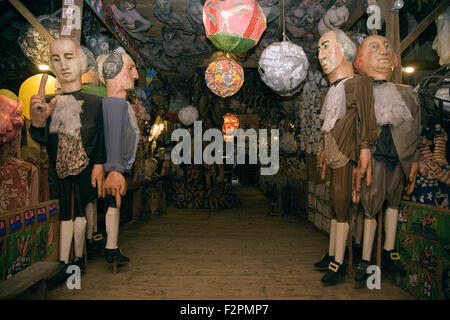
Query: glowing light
x,y
43,67
409,69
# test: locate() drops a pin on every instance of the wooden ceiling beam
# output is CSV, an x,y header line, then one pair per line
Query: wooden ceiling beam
x,y
32,20
355,15
412,36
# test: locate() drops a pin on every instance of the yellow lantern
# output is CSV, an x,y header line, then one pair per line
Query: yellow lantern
x,y
30,87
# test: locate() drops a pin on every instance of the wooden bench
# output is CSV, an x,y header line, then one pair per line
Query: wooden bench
x,y
36,274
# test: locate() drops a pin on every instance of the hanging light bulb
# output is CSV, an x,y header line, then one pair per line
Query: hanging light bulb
x,y
398,4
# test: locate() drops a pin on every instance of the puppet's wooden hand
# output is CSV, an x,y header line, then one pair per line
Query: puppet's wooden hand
x,y
98,179
116,186
39,109
365,157
356,183
412,177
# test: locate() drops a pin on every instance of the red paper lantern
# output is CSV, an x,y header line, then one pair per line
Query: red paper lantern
x,y
224,77
230,125
233,26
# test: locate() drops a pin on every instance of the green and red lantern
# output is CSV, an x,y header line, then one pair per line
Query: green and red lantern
x,y
233,26
224,77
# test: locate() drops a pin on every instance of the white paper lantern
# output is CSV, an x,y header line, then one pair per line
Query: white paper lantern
x,y
283,66
443,94
34,45
187,115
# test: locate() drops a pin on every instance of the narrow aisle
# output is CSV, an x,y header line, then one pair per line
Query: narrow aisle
x,y
241,253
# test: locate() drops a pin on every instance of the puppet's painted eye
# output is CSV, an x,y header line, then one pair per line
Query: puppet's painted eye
x,y
104,46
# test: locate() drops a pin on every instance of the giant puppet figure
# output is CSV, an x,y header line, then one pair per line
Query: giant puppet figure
x,y
118,72
395,155
71,127
348,101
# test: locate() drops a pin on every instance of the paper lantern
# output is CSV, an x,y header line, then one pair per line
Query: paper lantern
x,y
233,26
443,94
283,66
30,87
230,125
224,77
34,45
187,115
8,93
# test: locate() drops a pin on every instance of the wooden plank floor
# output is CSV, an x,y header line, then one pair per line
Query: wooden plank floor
x,y
242,253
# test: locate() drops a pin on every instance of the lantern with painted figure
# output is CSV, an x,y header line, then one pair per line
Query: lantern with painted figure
x,y
230,125
233,26
224,77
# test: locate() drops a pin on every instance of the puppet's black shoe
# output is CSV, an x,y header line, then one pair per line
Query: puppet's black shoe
x,y
361,271
90,244
80,262
391,260
112,255
334,274
322,265
59,276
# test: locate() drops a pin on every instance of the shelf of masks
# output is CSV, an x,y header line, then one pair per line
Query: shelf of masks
x,y
423,241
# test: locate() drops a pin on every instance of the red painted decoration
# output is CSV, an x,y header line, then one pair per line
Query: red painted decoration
x,y
233,26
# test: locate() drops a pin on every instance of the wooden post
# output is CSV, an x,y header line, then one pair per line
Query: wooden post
x,y
355,15
393,34
72,217
142,77
32,20
379,237
72,14
350,240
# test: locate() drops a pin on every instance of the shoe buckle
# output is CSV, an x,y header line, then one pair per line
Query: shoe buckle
x,y
97,237
333,267
395,256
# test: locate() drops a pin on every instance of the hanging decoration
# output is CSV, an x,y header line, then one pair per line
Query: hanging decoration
x,y
34,45
233,26
187,115
230,125
224,77
283,66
